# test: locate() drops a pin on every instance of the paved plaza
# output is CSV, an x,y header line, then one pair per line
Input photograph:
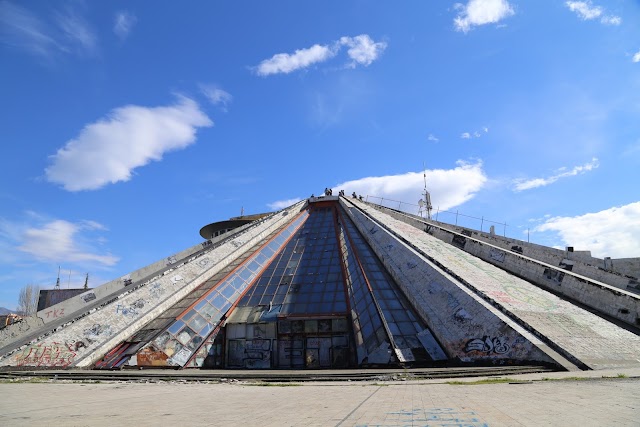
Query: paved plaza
x,y
557,399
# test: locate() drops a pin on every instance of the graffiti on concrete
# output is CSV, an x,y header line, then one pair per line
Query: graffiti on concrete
x,y
96,330
54,313
436,417
553,275
88,297
516,249
156,290
203,262
461,315
130,310
54,354
488,345
459,241
497,254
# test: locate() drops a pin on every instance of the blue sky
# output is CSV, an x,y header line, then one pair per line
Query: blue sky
x,y
128,125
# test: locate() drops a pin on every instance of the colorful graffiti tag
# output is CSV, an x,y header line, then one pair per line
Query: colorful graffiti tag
x,y
55,354
497,345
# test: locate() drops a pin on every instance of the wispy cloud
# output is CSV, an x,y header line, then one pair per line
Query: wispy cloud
x,y
362,50
448,187
68,32
123,24
481,12
23,30
107,151
432,137
281,204
522,184
216,96
636,57
587,11
76,31
55,240
612,232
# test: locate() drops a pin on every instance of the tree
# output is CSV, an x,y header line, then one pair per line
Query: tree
x,y
28,300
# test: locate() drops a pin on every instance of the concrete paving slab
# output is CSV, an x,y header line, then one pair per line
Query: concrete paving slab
x,y
525,401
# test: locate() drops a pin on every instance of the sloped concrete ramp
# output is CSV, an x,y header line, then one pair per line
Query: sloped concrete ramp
x,y
578,334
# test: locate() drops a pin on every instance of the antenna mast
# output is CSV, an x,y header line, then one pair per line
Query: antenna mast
x,y
425,202
58,281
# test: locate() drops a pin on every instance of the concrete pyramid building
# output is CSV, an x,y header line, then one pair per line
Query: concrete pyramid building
x,y
334,282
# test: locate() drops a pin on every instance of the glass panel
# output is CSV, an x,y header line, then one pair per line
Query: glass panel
x,y
197,322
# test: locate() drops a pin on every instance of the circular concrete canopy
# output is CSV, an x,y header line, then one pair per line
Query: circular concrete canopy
x,y
210,230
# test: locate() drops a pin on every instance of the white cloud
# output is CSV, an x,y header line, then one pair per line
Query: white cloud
x,y
475,134
68,32
217,96
587,11
611,20
281,204
636,57
584,9
481,12
55,240
613,232
123,24
301,58
448,188
362,50
108,150
432,137
521,184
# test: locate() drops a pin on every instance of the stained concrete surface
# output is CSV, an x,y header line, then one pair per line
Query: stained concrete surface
x,y
600,398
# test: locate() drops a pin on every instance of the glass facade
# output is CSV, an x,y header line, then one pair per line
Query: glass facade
x,y
305,279
187,333
314,296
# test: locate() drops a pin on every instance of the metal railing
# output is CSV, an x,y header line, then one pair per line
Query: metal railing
x,y
458,218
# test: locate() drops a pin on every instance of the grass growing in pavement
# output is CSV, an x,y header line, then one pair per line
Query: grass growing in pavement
x,y
26,380
268,384
484,381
